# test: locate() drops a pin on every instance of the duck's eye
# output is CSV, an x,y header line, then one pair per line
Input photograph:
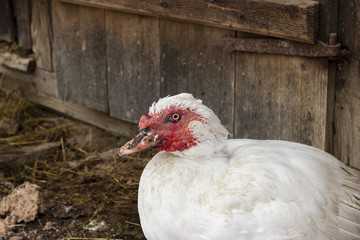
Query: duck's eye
x,y
175,117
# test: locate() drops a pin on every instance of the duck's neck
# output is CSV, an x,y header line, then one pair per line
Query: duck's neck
x,y
204,151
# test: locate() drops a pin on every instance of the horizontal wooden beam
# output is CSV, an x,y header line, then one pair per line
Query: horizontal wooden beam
x,y
14,61
43,81
93,117
281,46
294,19
96,118
19,156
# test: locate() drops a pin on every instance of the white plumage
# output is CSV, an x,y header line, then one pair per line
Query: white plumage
x,y
217,188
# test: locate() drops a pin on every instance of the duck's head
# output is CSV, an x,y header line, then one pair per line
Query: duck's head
x,y
177,124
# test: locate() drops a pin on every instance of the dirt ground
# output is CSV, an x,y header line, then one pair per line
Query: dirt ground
x,y
58,179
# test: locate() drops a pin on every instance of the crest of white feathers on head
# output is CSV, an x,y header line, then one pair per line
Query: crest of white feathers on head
x,y
208,132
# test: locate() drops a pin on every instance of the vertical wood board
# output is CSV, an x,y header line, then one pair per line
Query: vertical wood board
x,y
80,55
281,97
347,89
328,23
313,100
256,103
22,10
133,59
190,62
41,32
7,26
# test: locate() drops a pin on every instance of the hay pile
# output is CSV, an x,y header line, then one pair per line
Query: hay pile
x,y
12,47
79,185
21,123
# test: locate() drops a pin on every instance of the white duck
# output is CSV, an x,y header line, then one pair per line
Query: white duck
x,y
202,185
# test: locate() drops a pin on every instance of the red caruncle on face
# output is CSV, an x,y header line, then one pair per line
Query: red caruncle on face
x,y
171,127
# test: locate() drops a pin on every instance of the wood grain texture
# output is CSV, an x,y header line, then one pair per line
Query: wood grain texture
x,y
80,55
42,34
99,119
43,82
281,97
347,89
133,64
328,23
295,19
313,77
190,62
256,102
14,157
328,18
7,20
22,10
14,61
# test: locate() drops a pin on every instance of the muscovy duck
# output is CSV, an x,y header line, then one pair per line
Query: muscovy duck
x,y
204,186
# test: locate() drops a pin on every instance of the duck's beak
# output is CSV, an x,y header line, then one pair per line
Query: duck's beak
x,y
140,142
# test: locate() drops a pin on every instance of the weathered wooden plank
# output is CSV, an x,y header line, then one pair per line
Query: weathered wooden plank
x,y
42,81
17,157
281,47
328,23
281,97
191,63
7,26
22,9
313,76
11,60
41,34
257,106
80,55
115,126
289,97
93,117
295,19
347,89
133,60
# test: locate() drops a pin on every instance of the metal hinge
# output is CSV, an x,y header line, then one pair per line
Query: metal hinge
x,y
285,47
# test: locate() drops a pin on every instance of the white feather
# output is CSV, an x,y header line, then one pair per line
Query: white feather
x,y
243,189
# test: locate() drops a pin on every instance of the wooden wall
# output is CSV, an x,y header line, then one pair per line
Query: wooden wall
x,y
128,61
80,55
7,31
280,97
117,63
132,63
15,19
347,90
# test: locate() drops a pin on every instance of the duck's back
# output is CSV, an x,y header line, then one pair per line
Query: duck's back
x,y
292,190
250,190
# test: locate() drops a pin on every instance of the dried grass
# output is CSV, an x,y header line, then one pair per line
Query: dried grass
x,y
12,47
34,126
72,176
